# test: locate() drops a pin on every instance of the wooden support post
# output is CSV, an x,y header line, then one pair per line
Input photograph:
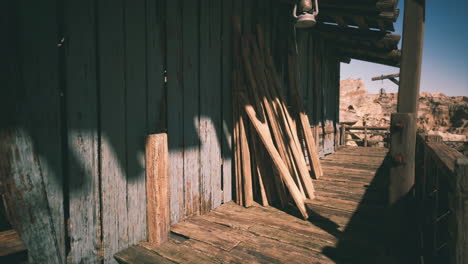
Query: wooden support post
x,y
157,188
402,153
458,220
365,134
404,138
343,135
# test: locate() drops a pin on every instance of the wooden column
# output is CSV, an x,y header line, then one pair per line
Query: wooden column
x,y
458,220
404,134
157,188
365,134
343,135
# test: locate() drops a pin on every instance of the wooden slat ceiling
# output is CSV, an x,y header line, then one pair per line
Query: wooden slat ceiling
x,y
360,29
364,14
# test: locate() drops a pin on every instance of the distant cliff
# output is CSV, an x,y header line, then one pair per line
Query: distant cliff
x,y
438,114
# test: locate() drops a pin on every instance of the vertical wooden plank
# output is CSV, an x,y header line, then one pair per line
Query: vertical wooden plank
x,y
82,131
227,126
312,96
210,104
26,196
111,47
175,107
458,220
157,188
303,63
191,34
247,16
135,85
155,58
33,151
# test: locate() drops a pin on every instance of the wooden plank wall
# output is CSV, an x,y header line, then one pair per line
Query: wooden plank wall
x,y
86,84
85,87
319,84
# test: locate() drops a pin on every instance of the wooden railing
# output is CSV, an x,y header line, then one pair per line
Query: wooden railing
x,y
442,201
368,131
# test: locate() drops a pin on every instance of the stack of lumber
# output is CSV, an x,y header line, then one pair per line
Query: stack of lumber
x,y
269,142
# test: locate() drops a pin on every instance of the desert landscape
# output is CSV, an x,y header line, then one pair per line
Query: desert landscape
x,y
438,113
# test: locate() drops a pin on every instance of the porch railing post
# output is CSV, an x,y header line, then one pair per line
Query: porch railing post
x,y
458,220
403,141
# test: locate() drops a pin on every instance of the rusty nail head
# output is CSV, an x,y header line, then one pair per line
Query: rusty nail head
x,y
398,158
399,124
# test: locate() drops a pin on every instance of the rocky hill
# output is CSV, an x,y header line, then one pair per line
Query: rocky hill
x,y
438,114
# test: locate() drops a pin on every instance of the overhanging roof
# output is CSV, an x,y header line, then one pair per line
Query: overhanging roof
x,y
360,29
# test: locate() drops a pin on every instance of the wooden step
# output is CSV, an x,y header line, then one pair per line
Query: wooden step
x,y
12,249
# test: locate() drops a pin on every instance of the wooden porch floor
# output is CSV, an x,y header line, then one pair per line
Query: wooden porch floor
x,y
345,225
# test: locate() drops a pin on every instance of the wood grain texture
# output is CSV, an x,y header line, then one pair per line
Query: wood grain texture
x,y
402,146
82,133
175,107
227,122
141,255
155,60
191,83
11,245
157,188
264,134
458,221
210,104
135,117
113,127
31,151
25,196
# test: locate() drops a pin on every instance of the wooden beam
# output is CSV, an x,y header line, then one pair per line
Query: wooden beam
x,y
390,58
357,38
383,77
403,136
157,188
390,77
412,51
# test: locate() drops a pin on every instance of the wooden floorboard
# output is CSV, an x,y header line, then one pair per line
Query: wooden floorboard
x,y
345,224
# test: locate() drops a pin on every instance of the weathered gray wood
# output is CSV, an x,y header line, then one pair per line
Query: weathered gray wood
x,y
31,169
175,95
155,59
135,85
191,62
113,107
157,188
25,195
402,152
140,255
458,220
227,125
210,104
82,133
412,49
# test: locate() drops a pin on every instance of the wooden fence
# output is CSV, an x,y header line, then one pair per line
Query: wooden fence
x,y
368,131
442,201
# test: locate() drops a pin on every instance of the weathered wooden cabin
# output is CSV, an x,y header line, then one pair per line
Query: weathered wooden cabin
x,y
84,83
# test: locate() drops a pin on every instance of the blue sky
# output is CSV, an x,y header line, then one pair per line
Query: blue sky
x,y
445,59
